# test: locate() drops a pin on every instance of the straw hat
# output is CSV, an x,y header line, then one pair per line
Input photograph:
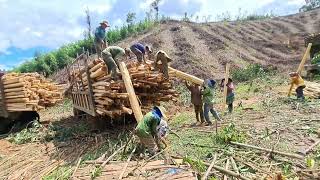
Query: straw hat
x,y
105,23
163,111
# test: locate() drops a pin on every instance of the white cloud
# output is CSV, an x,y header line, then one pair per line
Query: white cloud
x,y
28,24
297,2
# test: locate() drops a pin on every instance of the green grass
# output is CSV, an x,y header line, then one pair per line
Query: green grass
x,y
201,145
62,172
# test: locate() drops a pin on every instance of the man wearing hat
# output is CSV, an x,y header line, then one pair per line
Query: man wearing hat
x,y
148,128
164,59
100,34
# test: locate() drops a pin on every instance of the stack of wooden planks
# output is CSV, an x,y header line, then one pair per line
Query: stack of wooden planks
x,y
312,90
110,95
29,92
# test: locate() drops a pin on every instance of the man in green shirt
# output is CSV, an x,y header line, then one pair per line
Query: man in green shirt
x,y
208,99
111,56
146,129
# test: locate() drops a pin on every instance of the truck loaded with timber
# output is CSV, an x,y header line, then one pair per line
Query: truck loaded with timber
x,y
23,95
94,92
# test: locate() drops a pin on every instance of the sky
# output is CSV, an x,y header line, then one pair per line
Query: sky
x,y
29,26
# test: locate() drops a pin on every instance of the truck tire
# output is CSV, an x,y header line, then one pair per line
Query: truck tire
x,y
5,125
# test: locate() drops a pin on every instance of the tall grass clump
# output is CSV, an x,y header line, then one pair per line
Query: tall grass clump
x,y
251,72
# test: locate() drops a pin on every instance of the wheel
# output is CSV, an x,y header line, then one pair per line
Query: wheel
x,y
5,125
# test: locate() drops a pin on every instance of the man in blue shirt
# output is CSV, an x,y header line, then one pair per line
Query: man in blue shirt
x,y
140,50
99,37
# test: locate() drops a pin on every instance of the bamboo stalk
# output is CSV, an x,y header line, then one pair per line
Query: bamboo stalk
x,y
296,156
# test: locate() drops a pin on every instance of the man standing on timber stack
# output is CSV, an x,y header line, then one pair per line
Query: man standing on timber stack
x,y
164,59
150,131
100,42
196,100
111,56
140,50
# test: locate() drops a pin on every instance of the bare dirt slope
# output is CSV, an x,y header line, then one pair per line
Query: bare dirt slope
x,y
203,49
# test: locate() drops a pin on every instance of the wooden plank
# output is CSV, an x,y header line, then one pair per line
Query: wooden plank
x,y
132,95
303,61
3,100
185,76
225,89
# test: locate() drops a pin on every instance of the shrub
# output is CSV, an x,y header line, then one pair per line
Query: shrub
x,y
230,133
316,59
248,73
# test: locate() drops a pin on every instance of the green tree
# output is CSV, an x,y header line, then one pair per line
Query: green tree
x,y
51,61
310,5
155,6
131,16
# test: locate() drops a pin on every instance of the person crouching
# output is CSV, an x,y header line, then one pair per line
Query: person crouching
x,y
297,80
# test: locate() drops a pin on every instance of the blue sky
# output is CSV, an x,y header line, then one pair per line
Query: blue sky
x,y
28,26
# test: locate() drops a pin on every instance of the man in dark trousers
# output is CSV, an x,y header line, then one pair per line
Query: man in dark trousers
x,y
196,100
140,50
99,37
111,56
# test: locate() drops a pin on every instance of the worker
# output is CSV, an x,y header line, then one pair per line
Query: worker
x,y
111,56
162,131
297,80
164,59
208,99
230,93
140,50
196,100
146,129
99,37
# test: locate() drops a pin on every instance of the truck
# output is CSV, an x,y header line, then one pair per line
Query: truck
x,y
8,119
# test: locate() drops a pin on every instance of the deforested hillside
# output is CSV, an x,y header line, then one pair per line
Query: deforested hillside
x,y
203,49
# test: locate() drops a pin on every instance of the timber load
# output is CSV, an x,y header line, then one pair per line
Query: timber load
x,y
312,90
110,96
29,92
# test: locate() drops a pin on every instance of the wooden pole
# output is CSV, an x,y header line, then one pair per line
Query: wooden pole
x,y
126,165
185,76
297,156
227,172
226,77
209,168
303,61
132,95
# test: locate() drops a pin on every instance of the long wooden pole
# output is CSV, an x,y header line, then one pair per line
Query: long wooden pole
x,y
205,176
132,95
303,61
186,76
225,89
297,156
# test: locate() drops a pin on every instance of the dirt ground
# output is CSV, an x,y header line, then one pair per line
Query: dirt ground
x,y
268,118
